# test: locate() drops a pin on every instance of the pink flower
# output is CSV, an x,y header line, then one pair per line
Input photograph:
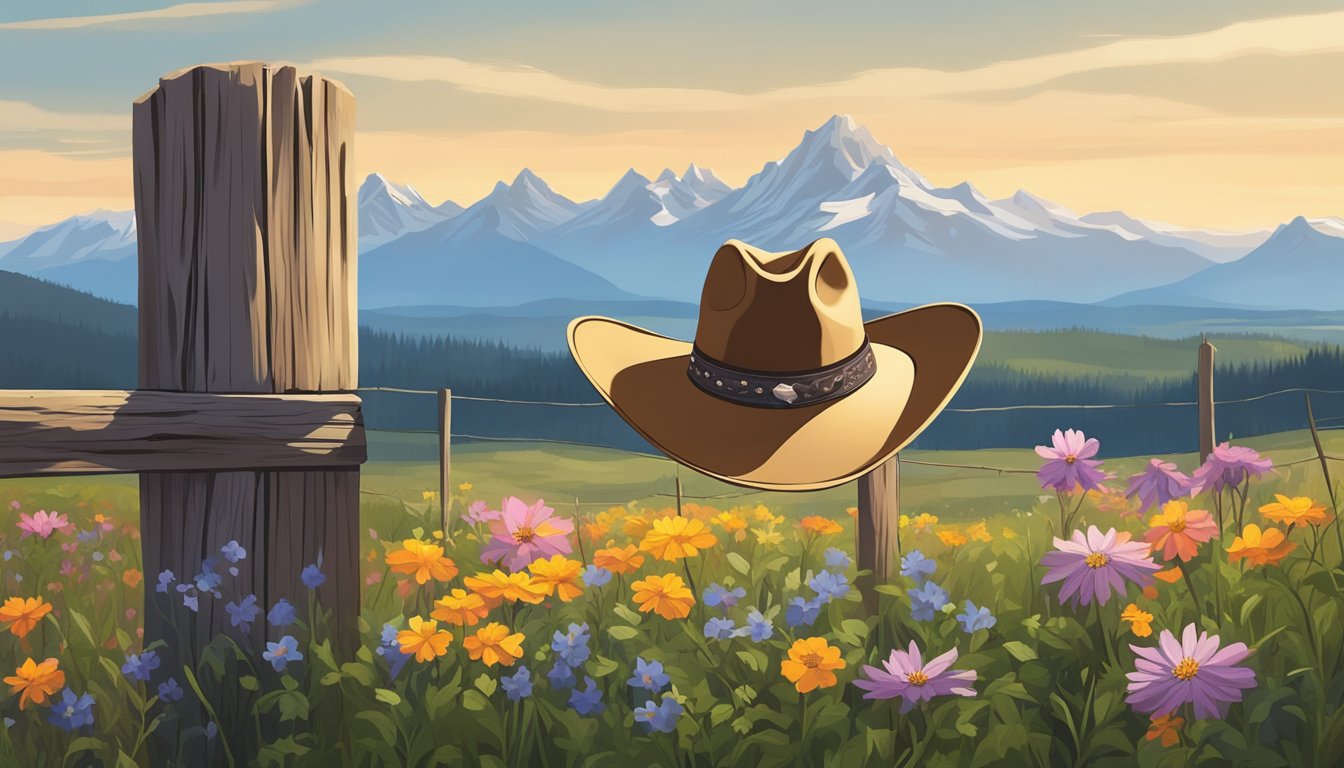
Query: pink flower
x,y
42,524
1069,464
524,533
479,513
1228,465
1094,564
905,675
1193,671
1158,483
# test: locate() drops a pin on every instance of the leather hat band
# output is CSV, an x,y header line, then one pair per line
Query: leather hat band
x,y
789,390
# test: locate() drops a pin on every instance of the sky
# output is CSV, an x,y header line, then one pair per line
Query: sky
x,y
1220,114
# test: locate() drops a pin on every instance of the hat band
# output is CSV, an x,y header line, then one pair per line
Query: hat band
x,y
789,390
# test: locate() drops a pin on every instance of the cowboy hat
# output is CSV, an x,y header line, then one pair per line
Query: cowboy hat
x,y
785,387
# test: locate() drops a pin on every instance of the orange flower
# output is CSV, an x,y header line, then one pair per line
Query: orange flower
x,y
924,520
558,575
424,639
852,512
667,594
497,586
1171,575
636,526
673,538
763,514
422,559
493,645
1140,622
1177,531
132,577
21,614
1149,592
1167,728
811,664
460,607
595,530
37,681
822,526
729,522
1260,548
952,537
1299,510
625,559
979,531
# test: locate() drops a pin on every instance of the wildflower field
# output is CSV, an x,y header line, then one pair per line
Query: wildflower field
x,y
1131,612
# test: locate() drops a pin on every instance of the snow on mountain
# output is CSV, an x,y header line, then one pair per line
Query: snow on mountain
x,y
1214,246
388,210
518,211
92,252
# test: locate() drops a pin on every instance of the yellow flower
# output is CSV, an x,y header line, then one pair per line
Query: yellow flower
x,y
424,639
429,495
20,615
595,530
822,526
673,538
979,531
811,664
667,594
924,520
952,537
465,487
729,522
769,537
636,526
558,575
903,521
493,645
1140,622
422,559
852,512
1260,548
762,514
1299,510
1008,533
460,607
625,559
36,681
497,586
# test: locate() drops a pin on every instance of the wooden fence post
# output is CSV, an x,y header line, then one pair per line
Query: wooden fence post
x,y
878,527
445,454
246,225
1207,439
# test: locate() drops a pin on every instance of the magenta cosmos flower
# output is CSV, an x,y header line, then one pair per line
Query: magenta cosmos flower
x,y
523,533
42,524
1095,564
1193,671
1228,465
1158,483
1069,463
905,675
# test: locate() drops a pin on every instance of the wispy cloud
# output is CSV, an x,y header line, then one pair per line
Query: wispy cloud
x,y
179,11
22,116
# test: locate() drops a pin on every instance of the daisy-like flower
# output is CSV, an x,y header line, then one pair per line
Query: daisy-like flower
x,y
497,586
524,533
1299,510
1157,484
1140,621
1177,531
424,639
479,513
423,560
281,654
924,520
811,664
1193,671
1069,463
822,526
979,532
905,676
667,595
494,644
1228,465
1095,565
21,614
952,537
673,538
768,537
460,607
625,559
35,681
1267,547
558,575
729,522
42,524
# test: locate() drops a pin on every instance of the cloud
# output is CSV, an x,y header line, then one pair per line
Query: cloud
x,y
179,11
22,116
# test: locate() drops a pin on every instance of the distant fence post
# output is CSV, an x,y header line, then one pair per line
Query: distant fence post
x,y
878,527
445,454
1207,439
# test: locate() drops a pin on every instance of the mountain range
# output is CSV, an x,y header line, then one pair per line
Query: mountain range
x,y
908,240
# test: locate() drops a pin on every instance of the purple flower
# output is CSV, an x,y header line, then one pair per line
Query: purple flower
x,y
1095,564
660,717
233,552
282,653
719,596
72,711
719,628
648,675
390,650
905,675
244,612
282,613
572,646
918,567
837,560
1069,464
1228,465
1193,671
170,691
1158,483
140,666
517,686
587,702
312,576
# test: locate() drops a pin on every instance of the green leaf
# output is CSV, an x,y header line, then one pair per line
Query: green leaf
x,y
855,627
739,563
625,613
486,684
720,713
1249,606
387,696
601,666
1020,650
889,589
385,727
359,672
749,659
84,744
621,632
474,701
248,682
125,761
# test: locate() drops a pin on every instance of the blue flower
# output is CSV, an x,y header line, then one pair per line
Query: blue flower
x,y
211,730
802,612
717,595
659,717
836,559
312,576
561,675
572,645
232,552
390,650
207,580
976,618
190,597
925,600
140,666
170,691
829,586
282,613
596,577
588,701
648,675
719,628
72,711
86,537
517,686
759,627
243,613
165,578
282,653
916,566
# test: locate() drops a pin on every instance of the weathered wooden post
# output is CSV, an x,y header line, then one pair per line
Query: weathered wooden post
x,y
1207,440
445,454
878,527
246,225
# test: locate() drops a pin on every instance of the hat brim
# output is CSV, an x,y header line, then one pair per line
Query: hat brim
x,y
923,355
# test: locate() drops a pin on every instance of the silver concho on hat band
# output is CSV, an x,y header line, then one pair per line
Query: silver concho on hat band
x,y
788,390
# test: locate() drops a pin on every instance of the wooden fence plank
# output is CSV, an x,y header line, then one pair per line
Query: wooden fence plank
x,y
877,529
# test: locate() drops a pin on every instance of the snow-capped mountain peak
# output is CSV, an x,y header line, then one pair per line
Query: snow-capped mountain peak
x,y
388,210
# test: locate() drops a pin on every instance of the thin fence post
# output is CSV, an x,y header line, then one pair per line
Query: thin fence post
x,y
1207,439
878,527
678,490
1325,464
445,454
